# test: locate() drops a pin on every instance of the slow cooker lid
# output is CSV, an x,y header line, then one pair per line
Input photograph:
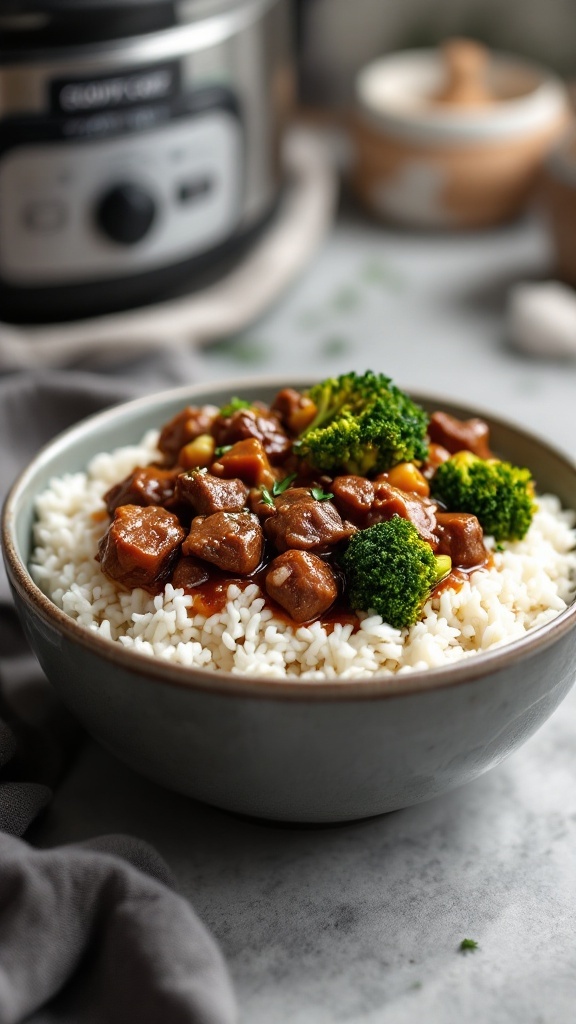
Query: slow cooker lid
x,y
30,27
45,23
21,7
62,21
183,10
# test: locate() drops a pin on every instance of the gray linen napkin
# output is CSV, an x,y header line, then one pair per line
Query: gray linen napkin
x,y
91,933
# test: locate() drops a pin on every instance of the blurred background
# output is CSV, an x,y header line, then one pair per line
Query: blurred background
x,y
288,185
338,36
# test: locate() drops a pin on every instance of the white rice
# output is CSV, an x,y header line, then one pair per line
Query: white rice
x,y
530,583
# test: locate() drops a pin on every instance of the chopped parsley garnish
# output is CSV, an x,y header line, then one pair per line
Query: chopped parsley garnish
x,y
222,450
278,488
233,406
320,495
468,945
282,485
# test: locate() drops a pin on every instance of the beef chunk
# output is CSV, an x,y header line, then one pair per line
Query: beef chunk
x,y
141,546
184,427
231,540
390,501
366,502
304,523
189,573
295,410
353,496
248,461
293,495
257,504
258,423
146,485
460,536
208,494
302,584
460,435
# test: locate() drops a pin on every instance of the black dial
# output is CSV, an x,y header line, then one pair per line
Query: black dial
x,y
126,213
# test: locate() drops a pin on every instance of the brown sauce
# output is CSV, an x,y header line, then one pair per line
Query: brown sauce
x,y
453,581
458,576
340,615
209,598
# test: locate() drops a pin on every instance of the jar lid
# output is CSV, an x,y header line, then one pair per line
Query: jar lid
x,y
419,94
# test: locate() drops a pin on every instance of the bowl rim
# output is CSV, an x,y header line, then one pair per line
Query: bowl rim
x,y
463,672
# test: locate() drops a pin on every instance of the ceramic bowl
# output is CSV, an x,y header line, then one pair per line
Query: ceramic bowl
x,y
434,165
293,751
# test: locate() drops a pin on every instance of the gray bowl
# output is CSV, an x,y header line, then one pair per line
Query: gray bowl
x,y
292,751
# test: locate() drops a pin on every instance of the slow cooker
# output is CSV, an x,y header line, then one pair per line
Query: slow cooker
x,y
139,144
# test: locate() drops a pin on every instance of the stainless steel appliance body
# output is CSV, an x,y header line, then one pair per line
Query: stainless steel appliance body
x,y
139,142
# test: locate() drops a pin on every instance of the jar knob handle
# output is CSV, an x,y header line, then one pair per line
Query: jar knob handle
x,y
465,62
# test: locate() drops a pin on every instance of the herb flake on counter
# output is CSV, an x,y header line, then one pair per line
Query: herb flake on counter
x,y
375,272
335,345
468,946
239,350
345,299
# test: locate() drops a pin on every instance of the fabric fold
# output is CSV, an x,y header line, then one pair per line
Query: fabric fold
x,y
87,938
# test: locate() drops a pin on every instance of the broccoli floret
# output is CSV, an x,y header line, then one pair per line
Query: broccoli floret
x,y
364,424
389,569
499,494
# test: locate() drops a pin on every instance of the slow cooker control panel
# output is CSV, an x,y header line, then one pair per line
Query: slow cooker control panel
x,y
89,209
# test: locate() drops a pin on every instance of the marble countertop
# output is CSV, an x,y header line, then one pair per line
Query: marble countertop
x,y
362,923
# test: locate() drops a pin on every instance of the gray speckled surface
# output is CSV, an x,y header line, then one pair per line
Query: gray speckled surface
x,y
362,923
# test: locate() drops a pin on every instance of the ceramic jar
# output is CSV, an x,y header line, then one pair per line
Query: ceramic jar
x,y
453,138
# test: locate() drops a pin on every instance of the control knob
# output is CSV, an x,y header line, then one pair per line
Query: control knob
x,y
125,213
